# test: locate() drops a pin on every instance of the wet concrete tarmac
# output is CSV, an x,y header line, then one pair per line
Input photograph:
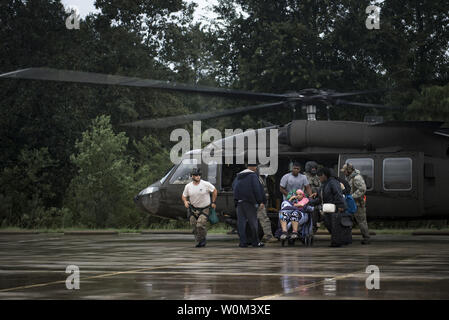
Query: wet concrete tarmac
x,y
155,266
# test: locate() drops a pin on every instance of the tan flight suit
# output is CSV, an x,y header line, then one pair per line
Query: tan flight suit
x,y
358,190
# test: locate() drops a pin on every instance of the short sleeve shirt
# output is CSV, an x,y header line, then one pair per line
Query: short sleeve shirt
x,y
199,195
291,183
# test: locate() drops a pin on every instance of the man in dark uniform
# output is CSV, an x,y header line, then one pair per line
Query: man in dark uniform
x,y
248,194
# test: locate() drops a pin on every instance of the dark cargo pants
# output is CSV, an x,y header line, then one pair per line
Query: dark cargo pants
x,y
339,235
247,213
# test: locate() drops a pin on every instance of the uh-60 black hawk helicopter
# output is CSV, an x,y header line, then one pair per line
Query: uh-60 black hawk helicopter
x,y
405,164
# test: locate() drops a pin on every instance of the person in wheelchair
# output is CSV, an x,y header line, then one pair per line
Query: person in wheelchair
x,y
295,211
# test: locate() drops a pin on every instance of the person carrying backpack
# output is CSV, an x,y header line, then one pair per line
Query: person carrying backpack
x,y
347,216
358,190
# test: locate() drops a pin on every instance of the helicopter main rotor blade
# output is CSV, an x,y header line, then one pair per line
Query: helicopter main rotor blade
x,y
325,96
355,93
179,120
367,105
99,78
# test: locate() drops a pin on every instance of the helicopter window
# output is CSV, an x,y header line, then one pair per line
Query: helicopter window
x,y
366,168
212,172
229,172
166,175
182,173
397,174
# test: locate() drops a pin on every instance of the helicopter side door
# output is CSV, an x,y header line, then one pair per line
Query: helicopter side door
x,y
394,185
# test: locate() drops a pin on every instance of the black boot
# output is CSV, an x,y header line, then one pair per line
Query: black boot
x,y
200,244
335,245
259,245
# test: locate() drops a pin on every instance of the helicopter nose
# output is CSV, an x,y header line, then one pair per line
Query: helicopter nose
x,y
148,199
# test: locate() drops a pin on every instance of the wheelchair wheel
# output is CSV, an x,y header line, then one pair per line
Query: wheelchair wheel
x,y
308,241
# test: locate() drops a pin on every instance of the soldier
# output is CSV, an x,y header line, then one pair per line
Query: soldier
x,y
358,190
263,217
198,191
314,180
315,184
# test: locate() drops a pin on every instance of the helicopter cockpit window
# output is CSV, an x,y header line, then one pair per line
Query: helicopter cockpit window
x,y
397,174
366,168
212,172
182,173
166,175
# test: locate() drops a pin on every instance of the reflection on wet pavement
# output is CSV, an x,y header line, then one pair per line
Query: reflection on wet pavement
x,y
135,266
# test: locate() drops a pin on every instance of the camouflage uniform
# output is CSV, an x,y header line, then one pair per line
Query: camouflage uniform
x,y
198,222
263,217
358,189
264,222
314,182
315,185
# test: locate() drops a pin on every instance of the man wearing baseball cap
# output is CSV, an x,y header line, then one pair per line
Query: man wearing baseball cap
x,y
358,190
198,192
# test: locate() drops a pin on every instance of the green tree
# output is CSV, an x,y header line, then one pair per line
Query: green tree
x,y
49,114
25,191
152,160
101,193
431,104
288,45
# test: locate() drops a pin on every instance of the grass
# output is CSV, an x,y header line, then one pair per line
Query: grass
x,y
407,231
219,228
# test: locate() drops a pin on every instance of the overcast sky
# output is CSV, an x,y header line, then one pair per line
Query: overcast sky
x,y
87,6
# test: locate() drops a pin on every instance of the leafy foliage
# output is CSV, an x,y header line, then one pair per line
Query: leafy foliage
x,y
431,104
25,189
101,193
54,155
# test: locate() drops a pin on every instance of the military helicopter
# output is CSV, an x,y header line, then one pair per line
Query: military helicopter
x,y
405,164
